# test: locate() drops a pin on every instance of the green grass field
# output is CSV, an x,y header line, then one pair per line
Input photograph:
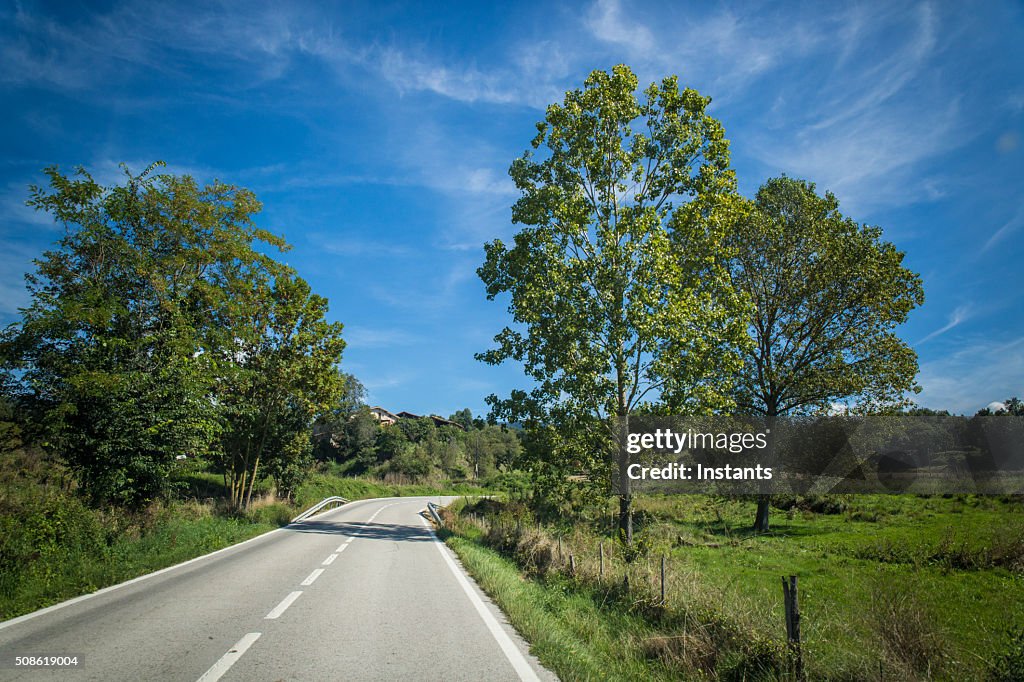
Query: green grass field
x,y
891,587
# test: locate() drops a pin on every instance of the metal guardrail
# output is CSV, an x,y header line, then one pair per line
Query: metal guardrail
x,y
316,508
432,508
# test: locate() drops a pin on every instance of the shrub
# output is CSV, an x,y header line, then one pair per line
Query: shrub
x,y
534,551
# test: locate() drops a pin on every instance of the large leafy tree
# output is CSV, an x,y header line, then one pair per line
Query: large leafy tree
x,y
277,374
827,296
134,321
609,311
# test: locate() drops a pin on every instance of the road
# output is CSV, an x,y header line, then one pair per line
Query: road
x,y
363,592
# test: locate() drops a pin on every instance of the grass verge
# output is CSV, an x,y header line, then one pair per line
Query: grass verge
x,y
566,631
54,547
909,588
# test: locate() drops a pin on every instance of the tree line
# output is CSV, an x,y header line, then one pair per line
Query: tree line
x,y
162,327
641,281
416,449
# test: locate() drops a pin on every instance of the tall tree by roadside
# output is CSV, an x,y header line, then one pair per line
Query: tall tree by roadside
x,y
277,375
125,350
827,297
609,313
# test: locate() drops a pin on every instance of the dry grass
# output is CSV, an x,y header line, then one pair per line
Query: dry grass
x,y
906,631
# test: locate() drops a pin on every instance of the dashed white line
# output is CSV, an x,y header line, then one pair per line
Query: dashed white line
x,y
329,560
343,546
312,577
283,606
230,658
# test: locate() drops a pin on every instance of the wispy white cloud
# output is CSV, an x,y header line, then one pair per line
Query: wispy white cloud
x,y
110,48
721,48
464,83
366,337
352,245
607,22
13,210
434,295
871,124
856,119
1010,226
374,384
959,315
969,379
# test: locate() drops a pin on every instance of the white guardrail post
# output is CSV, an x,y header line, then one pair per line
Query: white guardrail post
x,y
316,508
433,512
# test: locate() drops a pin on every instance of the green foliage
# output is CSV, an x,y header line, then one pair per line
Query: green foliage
x,y
1009,666
827,295
53,547
617,290
391,443
352,438
157,328
419,430
413,461
106,355
417,448
278,376
463,417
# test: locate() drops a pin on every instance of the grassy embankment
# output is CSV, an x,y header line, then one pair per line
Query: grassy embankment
x,y
54,547
891,587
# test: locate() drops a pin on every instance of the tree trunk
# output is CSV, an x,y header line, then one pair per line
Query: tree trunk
x,y
625,485
626,518
252,483
761,517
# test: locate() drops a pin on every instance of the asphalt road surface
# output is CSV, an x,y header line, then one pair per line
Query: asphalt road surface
x,y
364,592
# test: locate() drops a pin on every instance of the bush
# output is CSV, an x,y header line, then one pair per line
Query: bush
x,y
273,514
534,551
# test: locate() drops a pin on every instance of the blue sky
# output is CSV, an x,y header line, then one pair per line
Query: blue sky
x,y
379,135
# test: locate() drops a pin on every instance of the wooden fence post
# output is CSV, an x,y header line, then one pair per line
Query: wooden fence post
x,y
792,606
559,550
572,564
600,549
662,579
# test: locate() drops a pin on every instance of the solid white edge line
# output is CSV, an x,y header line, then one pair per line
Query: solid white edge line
x,y
283,606
111,588
230,658
330,560
311,578
512,653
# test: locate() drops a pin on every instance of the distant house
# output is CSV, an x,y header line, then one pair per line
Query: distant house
x,y
438,421
384,417
441,421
